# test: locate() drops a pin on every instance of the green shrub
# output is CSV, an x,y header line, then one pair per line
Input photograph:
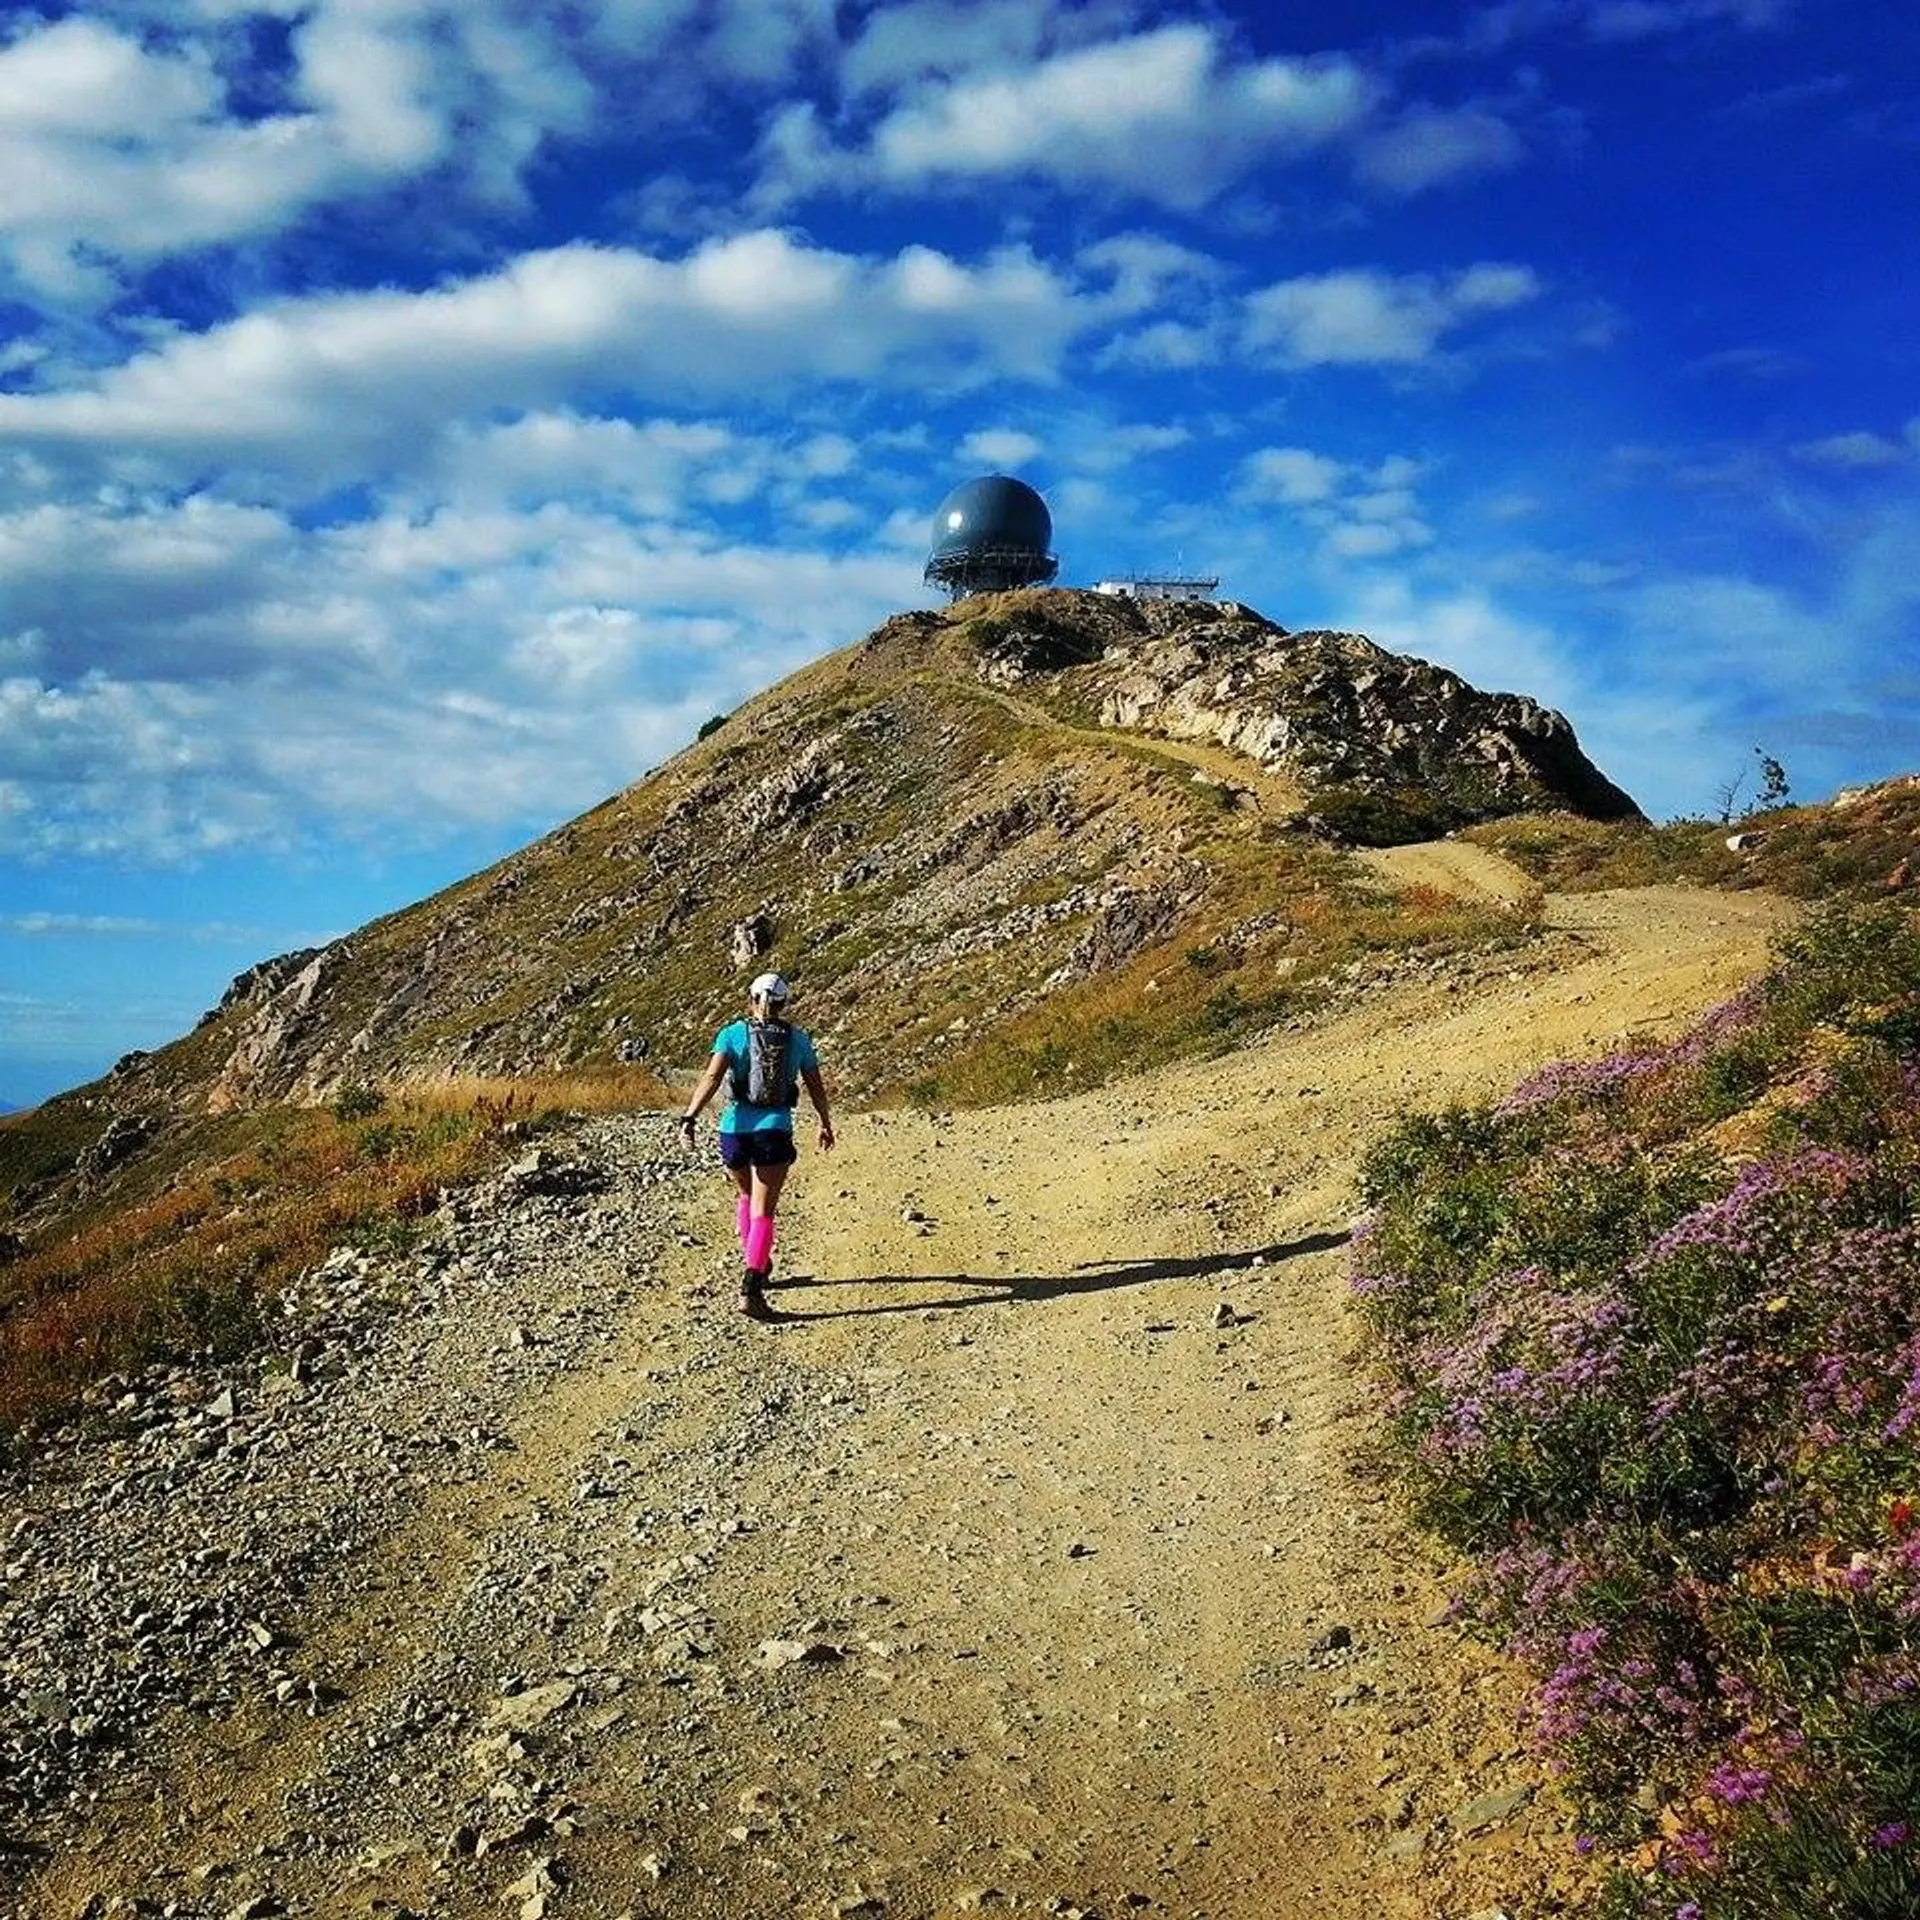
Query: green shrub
x,y
357,1101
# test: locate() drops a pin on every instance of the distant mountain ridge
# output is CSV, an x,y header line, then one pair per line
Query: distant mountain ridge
x,y
937,832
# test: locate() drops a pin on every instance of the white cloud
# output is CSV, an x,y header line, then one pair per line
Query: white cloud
x,y
372,78
89,926
339,384
1730,629
1758,363
1360,315
1087,100
649,466
1292,474
121,150
762,43
1497,26
402,675
1375,539
1146,267
1645,19
80,79
1855,450
1357,513
124,143
1110,446
1004,447
829,454
1167,346
1165,115
634,27
1427,146
579,650
927,39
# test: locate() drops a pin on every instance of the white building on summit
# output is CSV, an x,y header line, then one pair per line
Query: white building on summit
x,y
1156,586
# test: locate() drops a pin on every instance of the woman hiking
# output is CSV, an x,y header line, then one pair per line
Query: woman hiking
x,y
766,1059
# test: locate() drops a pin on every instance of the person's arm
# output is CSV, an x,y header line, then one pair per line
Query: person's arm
x,y
717,1069
817,1093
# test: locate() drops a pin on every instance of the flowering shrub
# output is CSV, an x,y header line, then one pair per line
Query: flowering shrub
x,y
1649,1338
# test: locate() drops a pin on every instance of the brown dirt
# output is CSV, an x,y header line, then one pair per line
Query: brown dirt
x,y
1073,1542
1450,866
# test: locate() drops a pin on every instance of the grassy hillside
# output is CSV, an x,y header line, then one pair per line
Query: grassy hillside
x,y
180,1256
1860,845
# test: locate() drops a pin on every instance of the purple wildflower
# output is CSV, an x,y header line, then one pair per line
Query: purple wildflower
x,y
1737,1786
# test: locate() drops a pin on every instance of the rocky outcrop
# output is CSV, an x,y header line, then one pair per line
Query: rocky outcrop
x,y
284,1011
261,982
1333,710
125,1135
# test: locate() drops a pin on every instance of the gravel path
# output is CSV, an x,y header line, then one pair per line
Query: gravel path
x,y
1028,1562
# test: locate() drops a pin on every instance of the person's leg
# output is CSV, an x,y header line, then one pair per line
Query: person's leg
x,y
734,1157
767,1182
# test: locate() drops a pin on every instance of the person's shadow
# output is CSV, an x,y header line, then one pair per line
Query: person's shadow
x,y
1093,1276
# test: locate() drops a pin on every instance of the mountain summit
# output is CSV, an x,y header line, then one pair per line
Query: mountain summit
x,y
945,825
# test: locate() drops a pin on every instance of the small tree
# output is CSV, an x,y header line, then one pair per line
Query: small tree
x,y
1726,793
1773,788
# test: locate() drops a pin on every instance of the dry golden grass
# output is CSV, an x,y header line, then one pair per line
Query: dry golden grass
x,y
588,1090
189,1269
1214,984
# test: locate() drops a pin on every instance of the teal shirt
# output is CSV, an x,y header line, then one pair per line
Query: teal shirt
x,y
739,1117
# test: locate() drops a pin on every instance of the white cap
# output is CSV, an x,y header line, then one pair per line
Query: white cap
x,y
769,986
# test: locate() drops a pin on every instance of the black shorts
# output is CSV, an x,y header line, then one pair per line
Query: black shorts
x,y
773,1148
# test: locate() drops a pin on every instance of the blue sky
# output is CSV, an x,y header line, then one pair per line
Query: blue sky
x,y
416,418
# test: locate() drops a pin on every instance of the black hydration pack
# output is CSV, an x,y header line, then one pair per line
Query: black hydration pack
x,y
766,1077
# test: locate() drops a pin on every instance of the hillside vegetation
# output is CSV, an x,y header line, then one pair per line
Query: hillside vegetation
x,y
1864,843
183,1256
1650,1332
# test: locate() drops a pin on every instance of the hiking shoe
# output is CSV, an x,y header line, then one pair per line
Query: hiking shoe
x,y
753,1301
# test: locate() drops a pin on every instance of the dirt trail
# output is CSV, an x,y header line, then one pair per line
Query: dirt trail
x,y
1274,794
1023,1564
1450,866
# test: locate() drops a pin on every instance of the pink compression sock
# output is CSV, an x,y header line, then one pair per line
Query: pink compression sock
x,y
743,1214
760,1242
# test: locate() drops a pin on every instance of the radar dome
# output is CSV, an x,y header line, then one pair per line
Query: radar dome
x,y
991,534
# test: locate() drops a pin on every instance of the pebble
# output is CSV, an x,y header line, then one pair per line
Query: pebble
x,y
1488,1809
794,1653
